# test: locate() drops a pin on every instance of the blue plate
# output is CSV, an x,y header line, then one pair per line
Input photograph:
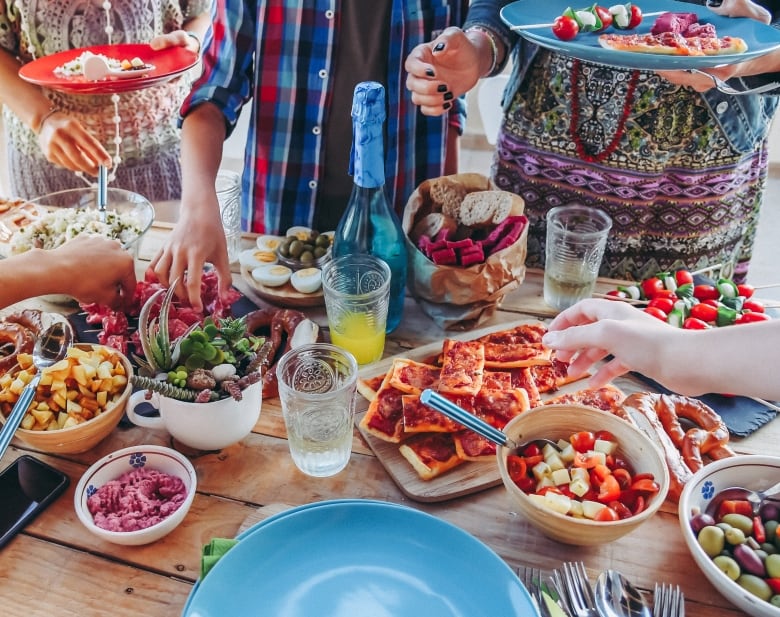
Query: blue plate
x,y
358,558
760,38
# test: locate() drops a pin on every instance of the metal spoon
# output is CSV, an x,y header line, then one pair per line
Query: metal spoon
x,y
756,498
617,597
470,421
102,192
49,349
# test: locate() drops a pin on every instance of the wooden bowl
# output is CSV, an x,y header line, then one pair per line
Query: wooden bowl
x,y
559,422
86,435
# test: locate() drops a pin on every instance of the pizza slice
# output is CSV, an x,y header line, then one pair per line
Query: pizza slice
x,y
431,454
369,386
607,398
524,378
512,355
473,447
420,418
413,377
522,334
498,407
497,380
384,417
673,44
462,369
550,377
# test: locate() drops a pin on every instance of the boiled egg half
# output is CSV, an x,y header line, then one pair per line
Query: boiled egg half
x,y
272,275
269,243
254,258
307,280
300,232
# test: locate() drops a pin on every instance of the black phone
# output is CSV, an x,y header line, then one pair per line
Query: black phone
x,y
27,486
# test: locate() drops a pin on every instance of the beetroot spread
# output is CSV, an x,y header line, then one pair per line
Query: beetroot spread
x,y
684,24
136,500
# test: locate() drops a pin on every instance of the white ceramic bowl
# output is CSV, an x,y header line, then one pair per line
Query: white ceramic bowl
x,y
114,465
749,471
559,422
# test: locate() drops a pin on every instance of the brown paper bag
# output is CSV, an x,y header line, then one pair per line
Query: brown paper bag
x,y
457,297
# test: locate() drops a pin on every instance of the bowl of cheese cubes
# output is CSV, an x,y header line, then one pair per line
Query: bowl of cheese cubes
x,y
582,476
78,402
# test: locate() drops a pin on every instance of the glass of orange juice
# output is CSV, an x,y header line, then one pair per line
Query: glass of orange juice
x,y
357,291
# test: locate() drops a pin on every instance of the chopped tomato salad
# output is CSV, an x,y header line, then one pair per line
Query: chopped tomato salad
x,y
583,477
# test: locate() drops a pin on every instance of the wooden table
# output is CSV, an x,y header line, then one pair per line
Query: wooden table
x,y
56,567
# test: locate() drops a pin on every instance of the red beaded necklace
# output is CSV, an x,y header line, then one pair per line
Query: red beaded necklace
x,y
575,117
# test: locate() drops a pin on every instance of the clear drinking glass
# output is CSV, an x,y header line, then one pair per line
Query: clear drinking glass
x,y
228,187
317,384
576,238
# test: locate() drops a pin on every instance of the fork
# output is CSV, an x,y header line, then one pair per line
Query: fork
x,y
575,589
668,601
532,579
727,89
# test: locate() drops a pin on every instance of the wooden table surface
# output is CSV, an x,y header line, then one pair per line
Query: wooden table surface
x,y
56,567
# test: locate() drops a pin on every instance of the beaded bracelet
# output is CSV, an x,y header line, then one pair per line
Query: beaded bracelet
x,y
52,110
493,47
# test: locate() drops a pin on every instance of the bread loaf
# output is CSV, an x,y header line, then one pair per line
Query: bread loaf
x,y
484,208
447,195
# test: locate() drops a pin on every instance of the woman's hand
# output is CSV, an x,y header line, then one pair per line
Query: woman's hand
x,y
740,8
177,38
442,70
67,143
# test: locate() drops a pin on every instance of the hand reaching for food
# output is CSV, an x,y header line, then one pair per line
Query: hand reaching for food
x,y
67,143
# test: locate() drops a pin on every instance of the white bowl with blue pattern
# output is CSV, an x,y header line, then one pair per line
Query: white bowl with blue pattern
x,y
752,471
112,466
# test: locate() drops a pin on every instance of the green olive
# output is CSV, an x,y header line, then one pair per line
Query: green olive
x,y
772,565
740,521
755,585
319,252
770,528
322,241
284,247
728,566
768,548
307,257
735,536
775,600
296,248
712,539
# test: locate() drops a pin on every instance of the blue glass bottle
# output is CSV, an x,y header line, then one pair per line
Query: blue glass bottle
x,y
369,224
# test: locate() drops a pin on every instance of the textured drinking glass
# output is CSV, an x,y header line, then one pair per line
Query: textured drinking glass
x,y
576,238
357,292
228,186
317,391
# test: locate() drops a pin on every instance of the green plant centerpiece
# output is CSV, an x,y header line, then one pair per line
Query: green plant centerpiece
x,y
212,360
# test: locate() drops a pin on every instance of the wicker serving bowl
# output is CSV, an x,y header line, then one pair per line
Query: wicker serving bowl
x,y
560,422
86,435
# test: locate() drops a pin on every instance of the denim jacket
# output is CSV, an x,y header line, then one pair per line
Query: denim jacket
x,y
745,119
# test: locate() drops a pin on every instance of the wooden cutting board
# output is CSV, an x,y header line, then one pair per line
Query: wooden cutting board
x,y
468,477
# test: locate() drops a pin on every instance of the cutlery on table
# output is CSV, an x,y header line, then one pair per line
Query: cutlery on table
x,y
617,597
541,593
668,601
49,349
572,583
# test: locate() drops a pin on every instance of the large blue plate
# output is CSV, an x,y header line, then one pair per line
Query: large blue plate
x,y
352,557
760,38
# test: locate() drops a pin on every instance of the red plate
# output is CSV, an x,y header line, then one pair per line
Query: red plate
x,y
167,63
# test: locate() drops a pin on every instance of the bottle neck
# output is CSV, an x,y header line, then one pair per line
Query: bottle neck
x,y
367,159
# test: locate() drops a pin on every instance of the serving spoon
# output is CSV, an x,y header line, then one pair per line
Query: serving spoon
x,y
469,420
617,597
50,348
737,493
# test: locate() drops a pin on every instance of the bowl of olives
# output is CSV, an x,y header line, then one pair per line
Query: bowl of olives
x,y
305,248
736,547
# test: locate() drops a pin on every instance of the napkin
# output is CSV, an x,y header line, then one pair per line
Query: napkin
x,y
741,415
213,552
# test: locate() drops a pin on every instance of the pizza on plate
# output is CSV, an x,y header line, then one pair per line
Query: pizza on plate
x,y
431,454
673,44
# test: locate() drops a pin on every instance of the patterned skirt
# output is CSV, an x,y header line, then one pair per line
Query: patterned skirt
x,y
647,152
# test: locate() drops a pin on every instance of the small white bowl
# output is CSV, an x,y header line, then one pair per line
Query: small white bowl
x,y
750,471
112,466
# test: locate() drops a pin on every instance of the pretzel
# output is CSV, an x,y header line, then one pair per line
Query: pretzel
x,y
20,339
683,449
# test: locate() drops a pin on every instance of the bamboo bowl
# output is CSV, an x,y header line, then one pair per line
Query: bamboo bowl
x,y
559,422
84,436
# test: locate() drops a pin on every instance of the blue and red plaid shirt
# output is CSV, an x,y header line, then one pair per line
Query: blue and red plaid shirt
x,y
277,52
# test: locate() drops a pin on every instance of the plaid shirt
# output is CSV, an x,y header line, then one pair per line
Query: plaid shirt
x,y
278,52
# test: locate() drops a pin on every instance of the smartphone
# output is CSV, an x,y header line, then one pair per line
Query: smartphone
x,y
27,486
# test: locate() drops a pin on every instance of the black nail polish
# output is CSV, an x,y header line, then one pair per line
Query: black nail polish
x,y
441,88
430,73
438,47
447,105
448,96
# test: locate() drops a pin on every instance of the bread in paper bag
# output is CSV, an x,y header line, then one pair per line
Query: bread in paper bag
x,y
466,245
